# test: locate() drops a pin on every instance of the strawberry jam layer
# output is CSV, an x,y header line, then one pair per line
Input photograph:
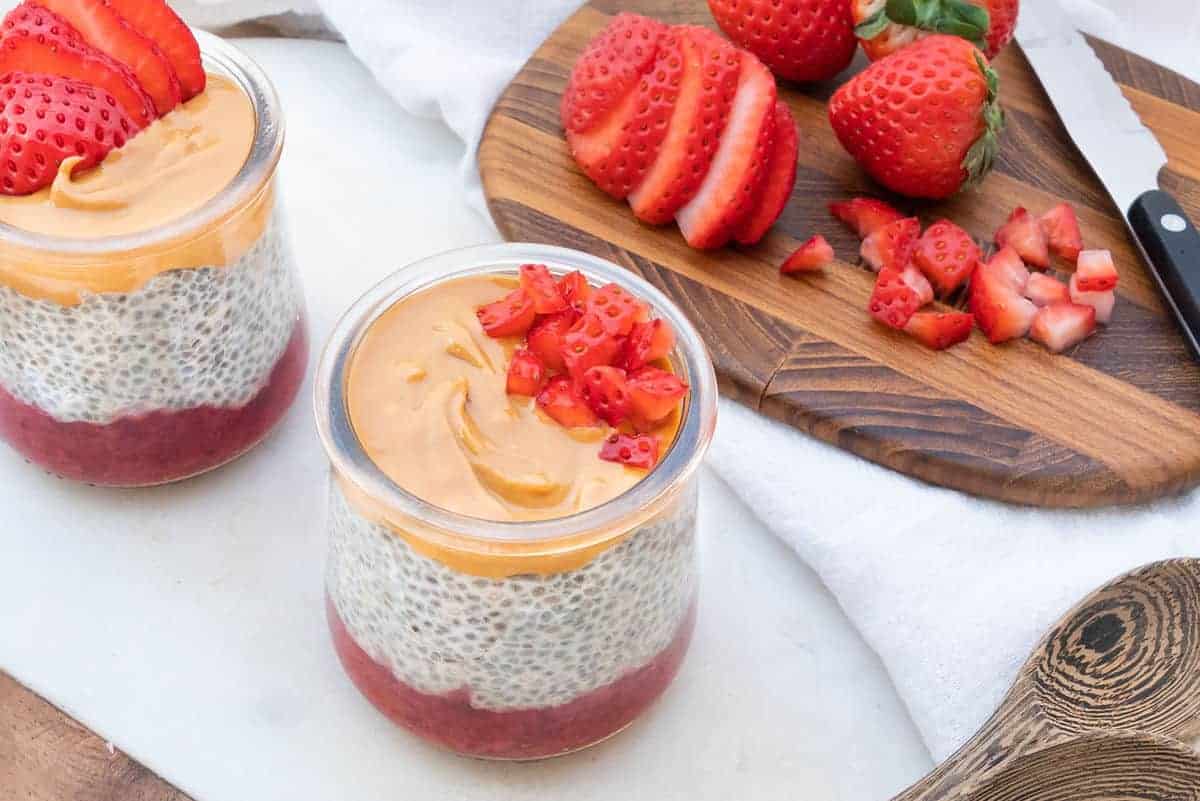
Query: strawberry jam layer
x,y
451,721
160,446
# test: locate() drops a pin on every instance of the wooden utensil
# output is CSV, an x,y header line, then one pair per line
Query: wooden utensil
x,y
1114,684
1116,421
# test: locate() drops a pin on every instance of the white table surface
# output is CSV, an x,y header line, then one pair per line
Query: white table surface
x,y
185,623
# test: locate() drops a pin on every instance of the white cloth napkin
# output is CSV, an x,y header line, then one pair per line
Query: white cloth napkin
x,y
951,591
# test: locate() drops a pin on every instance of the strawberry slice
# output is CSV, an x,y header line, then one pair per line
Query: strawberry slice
x,y
539,284
1102,302
1044,290
589,344
777,187
653,395
940,330
1011,269
1000,311
726,196
648,342
895,300
617,309
526,374
813,256
892,245
107,31
575,290
604,390
639,451
546,338
35,41
710,77
1024,234
1061,227
563,404
947,255
1063,325
155,20
1096,272
865,215
511,316
609,69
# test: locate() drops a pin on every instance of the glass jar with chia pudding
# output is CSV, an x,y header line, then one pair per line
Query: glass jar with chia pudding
x,y
151,317
510,576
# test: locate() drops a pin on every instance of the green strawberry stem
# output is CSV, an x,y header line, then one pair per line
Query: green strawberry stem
x,y
953,17
982,154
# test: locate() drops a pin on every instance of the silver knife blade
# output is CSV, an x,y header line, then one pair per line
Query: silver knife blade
x,y
1126,156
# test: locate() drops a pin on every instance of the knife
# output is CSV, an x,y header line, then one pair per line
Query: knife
x,y
1122,151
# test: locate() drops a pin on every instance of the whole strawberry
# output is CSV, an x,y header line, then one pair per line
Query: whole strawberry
x,y
924,122
886,26
46,119
799,40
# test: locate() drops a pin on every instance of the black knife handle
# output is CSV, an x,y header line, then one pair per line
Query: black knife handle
x,y
1172,244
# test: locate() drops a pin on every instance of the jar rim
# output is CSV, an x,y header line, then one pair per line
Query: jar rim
x,y
219,55
350,461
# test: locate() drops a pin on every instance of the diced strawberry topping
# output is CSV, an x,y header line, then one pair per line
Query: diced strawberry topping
x,y
813,256
606,394
1095,271
635,451
526,374
1061,227
589,344
865,215
947,255
653,395
564,405
155,20
1001,312
895,300
780,180
609,69
539,285
575,290
1102,302
547,338
511,316
1044,290
1008,266
648,342
1063,325
940,330
1024,234
617,309
892,245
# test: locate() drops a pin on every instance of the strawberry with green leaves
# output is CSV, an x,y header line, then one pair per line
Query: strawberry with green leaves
x,y
887,26
799,40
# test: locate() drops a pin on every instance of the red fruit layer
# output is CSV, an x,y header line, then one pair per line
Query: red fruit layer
x,y
158,447
452,722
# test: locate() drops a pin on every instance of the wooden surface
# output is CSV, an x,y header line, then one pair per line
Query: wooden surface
x,y
46,756
1115,422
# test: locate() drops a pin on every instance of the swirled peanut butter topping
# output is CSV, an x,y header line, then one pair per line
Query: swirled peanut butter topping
x,y
427,397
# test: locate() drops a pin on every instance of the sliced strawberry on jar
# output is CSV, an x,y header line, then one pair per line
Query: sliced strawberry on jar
x,y
865,215
563,404
813,256
540,285
892,245
1045,290
609,70
706,91
777,187
1102,302
727,194
940,330
35,41
1095,271
1008,266
1000,311
653,395
47,119
1061,227
1024,234
511,316
546,338
618,310
648,342
107,31
158,22
589,344
575,290
639,451
947,255
894,300
604,390
1063,325
526,374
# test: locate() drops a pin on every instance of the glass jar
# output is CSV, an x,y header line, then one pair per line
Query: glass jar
x,y
148,358
511,640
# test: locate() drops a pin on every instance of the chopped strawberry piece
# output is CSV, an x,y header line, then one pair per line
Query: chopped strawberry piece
x,y
155,20
1024,234
1096,272
546,338
539,284
1009,267
511,316
575,290
780,180
1102,302
609,69
589,344
617,309
1063,325
938,330
1044,290
526,374
814,255
1061,227
895,300
892,245
648,342
604,390
865,215
727,194
563,404
653,395
639,451
947,255
1001,312
918,283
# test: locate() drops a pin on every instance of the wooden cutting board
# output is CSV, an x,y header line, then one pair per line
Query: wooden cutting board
x,y
1117,421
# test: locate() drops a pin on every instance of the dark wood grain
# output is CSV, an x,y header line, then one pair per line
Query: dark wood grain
x,y
1116,421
